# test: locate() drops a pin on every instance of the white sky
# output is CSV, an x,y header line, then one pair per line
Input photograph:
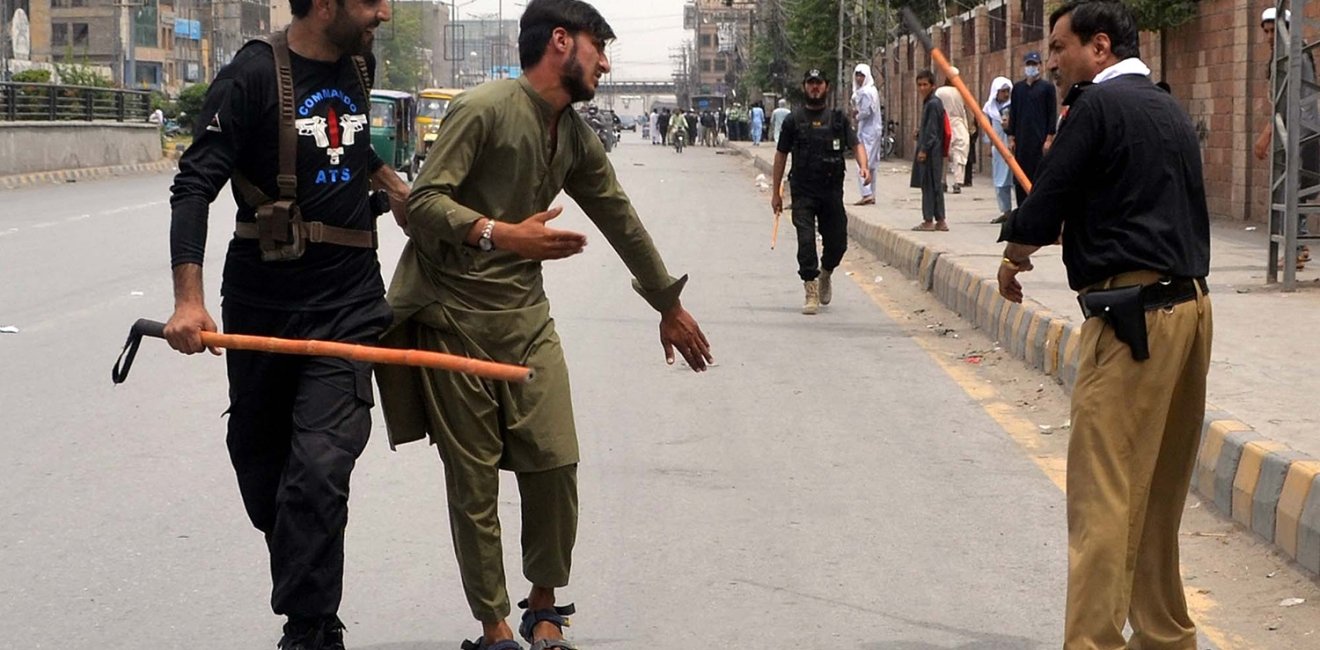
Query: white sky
x,y
646,30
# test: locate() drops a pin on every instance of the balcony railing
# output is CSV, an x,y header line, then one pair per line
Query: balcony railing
x,y
51,102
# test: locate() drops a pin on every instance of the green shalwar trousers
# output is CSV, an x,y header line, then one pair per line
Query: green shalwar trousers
x,y
482,426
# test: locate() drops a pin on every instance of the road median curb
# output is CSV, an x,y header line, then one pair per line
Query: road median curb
x,y
1266,486
16,181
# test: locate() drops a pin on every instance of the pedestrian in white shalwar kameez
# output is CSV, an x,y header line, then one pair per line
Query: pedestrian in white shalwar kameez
x,y
996,109
870,125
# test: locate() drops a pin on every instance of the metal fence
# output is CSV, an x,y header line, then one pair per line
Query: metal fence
x,y
50,102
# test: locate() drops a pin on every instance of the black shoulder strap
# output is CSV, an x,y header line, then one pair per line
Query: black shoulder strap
x,y
288,138
364,75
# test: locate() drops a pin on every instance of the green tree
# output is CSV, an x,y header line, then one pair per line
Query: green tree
x,y
399,61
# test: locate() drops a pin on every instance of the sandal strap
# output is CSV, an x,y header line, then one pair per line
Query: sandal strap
x,y
557,615
549,644
480,644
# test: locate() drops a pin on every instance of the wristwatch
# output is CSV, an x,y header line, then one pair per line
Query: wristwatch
x,y
486,243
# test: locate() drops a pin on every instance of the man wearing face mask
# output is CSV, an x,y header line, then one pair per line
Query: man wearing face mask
x,y
1035,116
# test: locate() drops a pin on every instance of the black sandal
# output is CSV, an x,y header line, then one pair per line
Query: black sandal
x,y
480,644
557,616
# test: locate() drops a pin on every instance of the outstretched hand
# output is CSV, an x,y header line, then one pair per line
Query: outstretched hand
x,y
533,240
678,329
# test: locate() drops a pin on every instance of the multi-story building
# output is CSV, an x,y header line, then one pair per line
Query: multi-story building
x,y
722,42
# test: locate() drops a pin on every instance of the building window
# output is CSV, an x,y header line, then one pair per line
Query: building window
x,y
946,35
705,65
59,34
998,28
705,40
720,65
969,37
1033,20
911,54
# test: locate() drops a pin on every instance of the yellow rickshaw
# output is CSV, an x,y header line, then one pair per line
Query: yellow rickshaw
x,y
432,104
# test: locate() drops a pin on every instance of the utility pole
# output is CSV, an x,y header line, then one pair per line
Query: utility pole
x,y
838,80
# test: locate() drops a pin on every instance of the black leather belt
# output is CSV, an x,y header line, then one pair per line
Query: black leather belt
x,y
1164,293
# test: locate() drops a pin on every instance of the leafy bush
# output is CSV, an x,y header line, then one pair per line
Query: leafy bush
x,y
34,76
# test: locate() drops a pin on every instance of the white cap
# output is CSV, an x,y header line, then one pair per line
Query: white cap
x,y
1270,15
953,72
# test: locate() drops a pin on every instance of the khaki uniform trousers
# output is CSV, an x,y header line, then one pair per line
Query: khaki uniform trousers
x,y
1136,429
481,427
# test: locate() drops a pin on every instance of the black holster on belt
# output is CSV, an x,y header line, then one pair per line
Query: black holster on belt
x,y
1125,310
280,231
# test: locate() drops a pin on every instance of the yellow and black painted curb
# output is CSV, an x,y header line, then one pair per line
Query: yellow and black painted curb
x,y
1266,486
91,173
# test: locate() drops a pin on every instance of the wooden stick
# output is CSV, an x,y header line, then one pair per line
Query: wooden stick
x,y
774,235
371,354
943,64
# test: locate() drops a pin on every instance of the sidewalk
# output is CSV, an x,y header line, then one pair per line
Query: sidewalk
x,y
90,173
1256,465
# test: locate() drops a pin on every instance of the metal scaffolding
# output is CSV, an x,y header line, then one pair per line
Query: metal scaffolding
x,y
1294,184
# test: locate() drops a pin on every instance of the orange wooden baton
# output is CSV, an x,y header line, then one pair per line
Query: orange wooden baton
x,y
352,351
942,63
774,235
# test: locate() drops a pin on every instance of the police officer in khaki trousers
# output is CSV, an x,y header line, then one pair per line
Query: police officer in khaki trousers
x,y
1136,245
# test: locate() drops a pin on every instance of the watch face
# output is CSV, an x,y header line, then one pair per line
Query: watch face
x,y
486,244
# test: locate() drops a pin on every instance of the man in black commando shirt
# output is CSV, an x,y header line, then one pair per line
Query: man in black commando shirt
x,y
1124,183
296,424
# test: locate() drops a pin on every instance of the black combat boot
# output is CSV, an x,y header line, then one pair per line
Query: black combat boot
x,y
313,634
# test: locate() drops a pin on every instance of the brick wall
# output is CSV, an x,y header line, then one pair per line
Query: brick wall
x,y
1216,65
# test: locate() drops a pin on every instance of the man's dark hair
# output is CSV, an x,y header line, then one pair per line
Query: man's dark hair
x,y
927,75
542,17
1091,17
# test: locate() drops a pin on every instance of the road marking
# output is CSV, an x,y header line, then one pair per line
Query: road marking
x,y
79,217
1026,435
43,224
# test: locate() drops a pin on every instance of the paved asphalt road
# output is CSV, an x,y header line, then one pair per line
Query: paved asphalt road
x,y
826,486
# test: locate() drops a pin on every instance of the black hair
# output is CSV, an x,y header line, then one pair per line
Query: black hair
x,y
1091,17
542,17
300,8
927,75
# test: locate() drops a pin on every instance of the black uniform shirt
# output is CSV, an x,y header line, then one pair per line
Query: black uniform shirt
x,y
802,182
238,129
1124,182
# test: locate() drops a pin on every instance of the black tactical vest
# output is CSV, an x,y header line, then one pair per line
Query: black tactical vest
x,y
818,152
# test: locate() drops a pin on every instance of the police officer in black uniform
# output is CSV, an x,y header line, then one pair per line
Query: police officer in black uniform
x,y
819,139
302,264
1124,184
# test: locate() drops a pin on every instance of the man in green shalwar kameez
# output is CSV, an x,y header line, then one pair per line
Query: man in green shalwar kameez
x,y
469,282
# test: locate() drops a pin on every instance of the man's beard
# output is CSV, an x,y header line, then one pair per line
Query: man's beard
x,y
817,102
573,78
348,38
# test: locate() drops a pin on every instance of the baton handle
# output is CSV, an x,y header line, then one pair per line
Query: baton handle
x,y
369,354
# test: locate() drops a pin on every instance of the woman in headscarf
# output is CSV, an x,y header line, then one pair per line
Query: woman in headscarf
x,y
870,125
996,110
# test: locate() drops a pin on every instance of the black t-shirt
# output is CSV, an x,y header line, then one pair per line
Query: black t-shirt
x,y
1124,182
238,130
806,179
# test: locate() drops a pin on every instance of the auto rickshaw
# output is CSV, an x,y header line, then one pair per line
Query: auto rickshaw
x,y
392,128
432,104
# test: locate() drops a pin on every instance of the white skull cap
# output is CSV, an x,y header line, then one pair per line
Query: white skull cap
x,y
1270,15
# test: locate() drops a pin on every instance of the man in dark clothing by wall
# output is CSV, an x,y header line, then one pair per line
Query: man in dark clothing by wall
x,y
1032,120
928,166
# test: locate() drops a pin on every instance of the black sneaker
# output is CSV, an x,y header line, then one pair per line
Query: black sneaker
x,y
313,634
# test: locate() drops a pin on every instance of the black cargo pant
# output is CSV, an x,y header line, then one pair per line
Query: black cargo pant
x,y
296,428
821,210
